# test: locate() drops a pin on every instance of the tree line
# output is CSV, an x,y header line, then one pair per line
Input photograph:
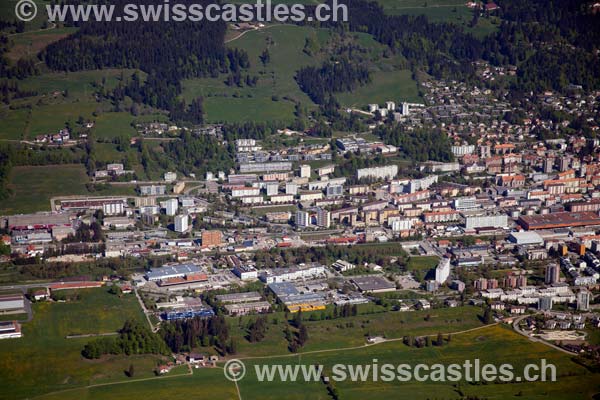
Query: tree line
x,y
134,338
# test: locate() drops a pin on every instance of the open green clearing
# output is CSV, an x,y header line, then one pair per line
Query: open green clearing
x,y
494,344
44,360
285,44
274,96
7,10
422,263
33,187
393,85
29,44
452,11
78,84
352,331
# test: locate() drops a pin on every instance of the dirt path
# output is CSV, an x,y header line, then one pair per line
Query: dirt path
x,y
251,30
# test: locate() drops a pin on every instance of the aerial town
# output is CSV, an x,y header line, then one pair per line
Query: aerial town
x,y
512,221
188,205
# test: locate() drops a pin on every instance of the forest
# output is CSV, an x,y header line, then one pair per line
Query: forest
x,y
332,77
167,51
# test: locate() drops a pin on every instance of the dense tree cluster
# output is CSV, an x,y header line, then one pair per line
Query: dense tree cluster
x,y
327,255
184,335
199,154
331,77
417,145
9,90
257,329
250,129
134,338
539,35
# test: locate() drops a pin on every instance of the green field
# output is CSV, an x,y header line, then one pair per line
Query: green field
x,y
495,345
422,263
44,360
452,11
351,331
394,85
13,123
33,187
205,384
440,10
275,79
79,84
7,10
46,365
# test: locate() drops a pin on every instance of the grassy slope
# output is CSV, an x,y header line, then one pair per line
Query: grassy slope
x,y
276,78
33,187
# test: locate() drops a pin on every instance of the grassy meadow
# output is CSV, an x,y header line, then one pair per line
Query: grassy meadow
x,y
32,187
44,360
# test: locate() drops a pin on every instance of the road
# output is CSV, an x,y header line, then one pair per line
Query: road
x,y
146,312
518,329
250,30
87,335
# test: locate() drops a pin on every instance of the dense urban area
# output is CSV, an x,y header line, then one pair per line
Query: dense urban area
x,y
231,213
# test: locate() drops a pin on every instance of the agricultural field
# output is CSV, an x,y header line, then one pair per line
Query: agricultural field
x,y
204,384
44,360
492,344
32,187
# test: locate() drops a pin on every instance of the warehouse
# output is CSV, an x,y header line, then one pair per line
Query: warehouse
x,y
558,220
248,308
233,298
295,301
12,304
526,238
174,271
37,221
373,284
10,330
